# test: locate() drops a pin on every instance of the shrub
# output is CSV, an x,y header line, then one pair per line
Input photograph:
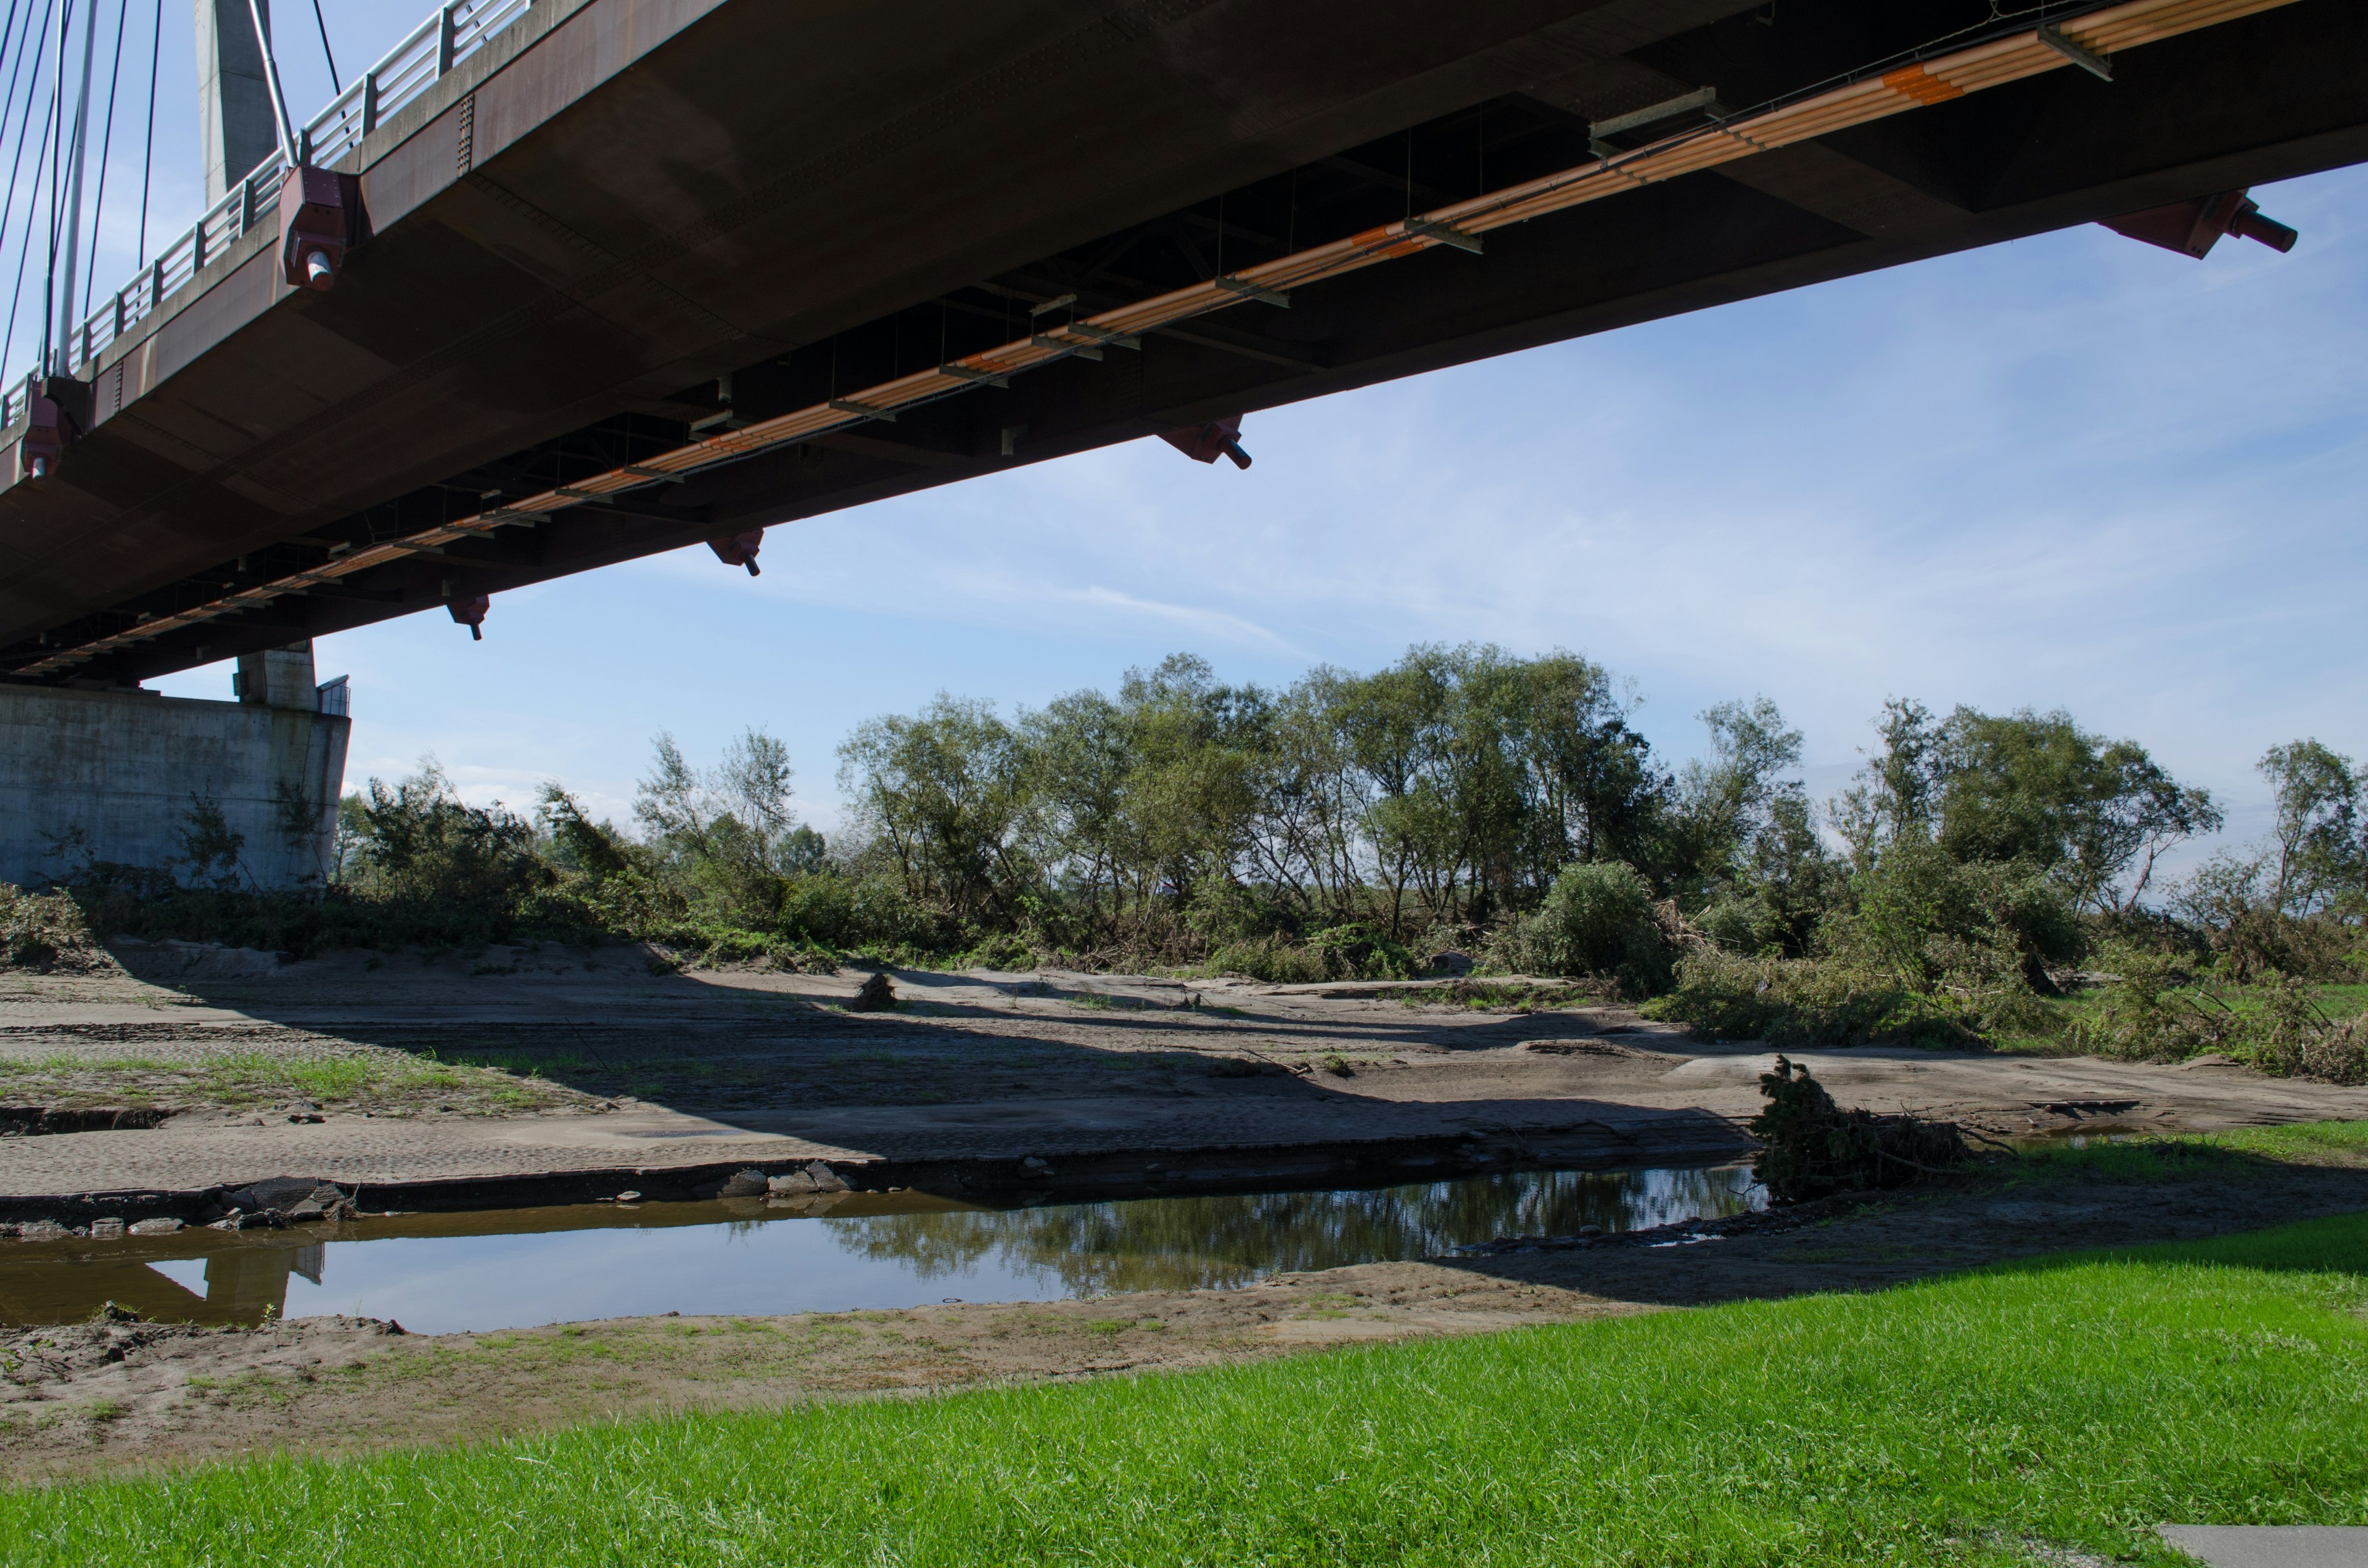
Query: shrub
x,y
2158,1012
1359,952
44,931
1598,918
1830,1001
1270,959
1748,924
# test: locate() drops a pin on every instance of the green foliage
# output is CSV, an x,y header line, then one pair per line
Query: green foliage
x,y
2065,1405
2030,788
2159,1010
44,931
1796,1002
1598,919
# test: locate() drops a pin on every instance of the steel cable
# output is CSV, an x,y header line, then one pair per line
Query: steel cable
x,y
55,152
148,163
334,89
105,141
16,162
24,123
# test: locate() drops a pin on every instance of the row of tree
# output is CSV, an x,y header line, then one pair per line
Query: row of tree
x,y
1438,800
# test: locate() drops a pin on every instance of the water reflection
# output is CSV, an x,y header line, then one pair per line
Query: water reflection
x,y
1203,1243
443,1273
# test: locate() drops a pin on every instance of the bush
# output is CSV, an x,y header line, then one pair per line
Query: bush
x,y
1746,924
1359,952
2157,1011
1598,919
45,931
1270,959
1829,1002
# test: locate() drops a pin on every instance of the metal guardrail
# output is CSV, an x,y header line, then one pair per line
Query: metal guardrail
x,y
407,71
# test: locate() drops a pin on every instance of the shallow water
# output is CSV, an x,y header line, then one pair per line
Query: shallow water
x,y
444,1273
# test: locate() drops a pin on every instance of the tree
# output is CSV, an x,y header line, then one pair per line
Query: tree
x,y
946,792
2033,788
2039,789
1898,788
2317,854
1721,808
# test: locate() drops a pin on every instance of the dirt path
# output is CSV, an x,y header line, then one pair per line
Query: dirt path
x,y
104,1397
610,1067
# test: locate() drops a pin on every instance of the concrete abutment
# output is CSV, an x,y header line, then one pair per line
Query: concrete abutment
x,y
129,776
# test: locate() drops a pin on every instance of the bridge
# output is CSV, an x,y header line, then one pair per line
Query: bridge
x,y
562,283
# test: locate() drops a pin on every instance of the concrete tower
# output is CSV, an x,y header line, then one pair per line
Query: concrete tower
x,y
233,95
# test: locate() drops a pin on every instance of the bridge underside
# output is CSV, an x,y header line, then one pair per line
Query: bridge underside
x,y
776,204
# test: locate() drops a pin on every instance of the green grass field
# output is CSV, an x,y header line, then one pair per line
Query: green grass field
x,y
2074,1401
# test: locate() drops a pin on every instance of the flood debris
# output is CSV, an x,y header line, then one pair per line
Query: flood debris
x,y
1811,1147
278,1202
876,996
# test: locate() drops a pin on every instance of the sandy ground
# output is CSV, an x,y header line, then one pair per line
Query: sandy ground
x,y
392,1070
105,1397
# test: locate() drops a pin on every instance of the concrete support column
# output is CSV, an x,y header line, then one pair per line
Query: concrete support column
x,y
233,95
277,678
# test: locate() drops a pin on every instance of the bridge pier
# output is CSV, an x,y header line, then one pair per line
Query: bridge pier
x,y
133,777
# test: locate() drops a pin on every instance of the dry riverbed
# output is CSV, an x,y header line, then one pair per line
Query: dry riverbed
x,y
209,1068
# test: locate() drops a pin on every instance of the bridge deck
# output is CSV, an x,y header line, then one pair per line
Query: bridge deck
x,y
616,202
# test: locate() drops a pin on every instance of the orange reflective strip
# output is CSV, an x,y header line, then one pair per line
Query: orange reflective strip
x,y
1916,82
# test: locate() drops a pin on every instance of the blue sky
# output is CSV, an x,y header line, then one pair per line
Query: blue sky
x,y
2072,471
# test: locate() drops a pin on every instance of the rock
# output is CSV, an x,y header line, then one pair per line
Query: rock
x,y
745,1184
815,1178
42,1230
106,1230
1590,1230
1032,1163
1450,962
307,1210
877,995
155,1227
282,1192
629,1196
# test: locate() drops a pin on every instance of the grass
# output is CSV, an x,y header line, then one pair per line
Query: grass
x,y
2076,1402
241,1079
2336,1001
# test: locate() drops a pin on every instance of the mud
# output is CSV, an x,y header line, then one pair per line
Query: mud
x,y
555,1075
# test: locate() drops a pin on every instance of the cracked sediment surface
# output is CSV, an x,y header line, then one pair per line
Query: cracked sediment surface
x,y
392,1072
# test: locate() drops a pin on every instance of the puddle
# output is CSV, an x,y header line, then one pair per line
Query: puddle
x,y
444,1273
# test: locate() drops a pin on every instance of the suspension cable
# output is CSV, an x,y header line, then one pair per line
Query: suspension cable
x,y
148,163
325,52
105,141
71,216
57,137
33,199
39,38
7,31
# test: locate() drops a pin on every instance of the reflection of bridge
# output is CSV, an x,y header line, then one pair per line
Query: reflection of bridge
x,y
626,275
245,1280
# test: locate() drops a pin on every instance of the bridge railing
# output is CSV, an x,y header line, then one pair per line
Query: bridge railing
x,y
409,69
